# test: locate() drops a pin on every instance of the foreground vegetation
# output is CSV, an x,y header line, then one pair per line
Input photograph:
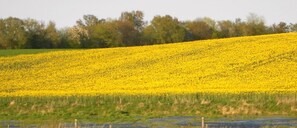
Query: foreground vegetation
x,y
121,108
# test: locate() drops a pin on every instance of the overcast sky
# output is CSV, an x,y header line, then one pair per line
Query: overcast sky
x,y
66,12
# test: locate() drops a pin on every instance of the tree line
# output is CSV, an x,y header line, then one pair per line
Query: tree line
x,y
129,29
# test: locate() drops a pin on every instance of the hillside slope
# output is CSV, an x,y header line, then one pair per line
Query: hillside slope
x,y
246,64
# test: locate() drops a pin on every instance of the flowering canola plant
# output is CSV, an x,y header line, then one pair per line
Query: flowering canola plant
x,y
236,65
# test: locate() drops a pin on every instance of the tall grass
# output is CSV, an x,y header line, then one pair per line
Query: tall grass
x,y
118,108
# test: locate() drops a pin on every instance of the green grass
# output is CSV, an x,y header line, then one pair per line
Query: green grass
x,y
123,108
14,52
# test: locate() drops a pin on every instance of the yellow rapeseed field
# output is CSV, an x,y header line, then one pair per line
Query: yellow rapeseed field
x,y
246,64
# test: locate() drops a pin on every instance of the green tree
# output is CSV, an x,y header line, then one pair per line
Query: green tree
x,y
37,36
213,25
281,27
12,33
83,32
131,25
3,41
134,17
199,30
130,36
293,27
52,34
225,28
255,25
87,21
86,32
167,29
3,44
78,37
64,38
70,37
149,36
238,27
106,35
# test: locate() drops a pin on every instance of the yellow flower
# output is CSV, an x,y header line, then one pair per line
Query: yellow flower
x,y
236,65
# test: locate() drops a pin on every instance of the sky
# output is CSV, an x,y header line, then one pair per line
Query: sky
x,y
65,13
